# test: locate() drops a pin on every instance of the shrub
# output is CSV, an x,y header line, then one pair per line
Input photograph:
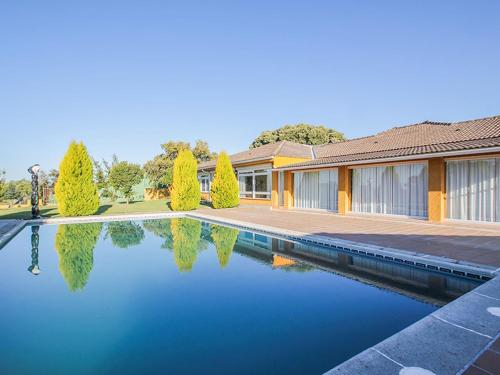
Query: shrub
x,y
76,192
186,192
224,191
123,176
75,247
224,239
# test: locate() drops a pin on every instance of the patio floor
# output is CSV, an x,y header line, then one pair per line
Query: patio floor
x,y
467,242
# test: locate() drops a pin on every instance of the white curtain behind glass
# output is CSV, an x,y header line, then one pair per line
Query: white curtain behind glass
x,y
473,189
397,190
316,190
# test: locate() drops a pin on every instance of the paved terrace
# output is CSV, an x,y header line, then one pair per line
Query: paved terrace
x,y
470,243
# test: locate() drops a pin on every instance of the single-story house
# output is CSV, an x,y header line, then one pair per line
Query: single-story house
x,y
430,170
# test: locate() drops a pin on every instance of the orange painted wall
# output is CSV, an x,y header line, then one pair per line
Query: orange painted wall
x,y
437,189
280,161
344,192
257,202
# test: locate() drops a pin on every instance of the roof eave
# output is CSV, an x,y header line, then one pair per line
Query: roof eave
x,y
427,155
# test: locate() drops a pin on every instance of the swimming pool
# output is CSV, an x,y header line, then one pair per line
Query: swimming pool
x,y
184,296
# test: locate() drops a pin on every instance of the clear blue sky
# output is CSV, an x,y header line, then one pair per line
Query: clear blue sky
x,y
126,76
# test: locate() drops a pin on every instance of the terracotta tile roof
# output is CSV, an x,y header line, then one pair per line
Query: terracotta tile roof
x,y
283,148
423,138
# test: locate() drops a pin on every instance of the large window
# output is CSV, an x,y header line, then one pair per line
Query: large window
x,y
255,184
473,189
316,190
397,190
205,183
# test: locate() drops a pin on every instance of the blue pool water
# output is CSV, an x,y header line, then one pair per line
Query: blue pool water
x,y
181,296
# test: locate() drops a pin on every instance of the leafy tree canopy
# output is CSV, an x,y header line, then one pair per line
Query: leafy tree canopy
x,y
300,133
123,176
159,169
101,177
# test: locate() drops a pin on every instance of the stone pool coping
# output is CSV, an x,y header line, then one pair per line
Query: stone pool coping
x,y
448,341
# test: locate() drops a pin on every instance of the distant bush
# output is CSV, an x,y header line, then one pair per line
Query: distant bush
x,y
224,192
76,192
186,192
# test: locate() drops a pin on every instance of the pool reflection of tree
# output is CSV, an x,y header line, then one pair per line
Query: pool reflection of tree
x,y
124,234
186,241
75,245
162,229
224,239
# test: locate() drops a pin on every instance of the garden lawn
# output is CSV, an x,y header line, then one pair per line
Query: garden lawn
x,y
111,208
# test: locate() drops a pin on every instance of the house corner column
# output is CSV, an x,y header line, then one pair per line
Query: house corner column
x,y
436,190
344,198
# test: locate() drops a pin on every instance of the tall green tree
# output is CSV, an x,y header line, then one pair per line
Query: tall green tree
x,y
224,239
76,193
159,170
186,193
202,152
299,133
75,245
123,176
224,191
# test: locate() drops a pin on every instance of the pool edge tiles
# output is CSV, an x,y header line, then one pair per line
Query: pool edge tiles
x,y
9,233
447,341
417,260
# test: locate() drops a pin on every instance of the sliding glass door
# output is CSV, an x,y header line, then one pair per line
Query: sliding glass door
x,y
473,189
317,190
395,190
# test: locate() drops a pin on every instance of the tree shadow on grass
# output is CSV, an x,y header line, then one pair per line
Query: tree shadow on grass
x,y
26,214
102,209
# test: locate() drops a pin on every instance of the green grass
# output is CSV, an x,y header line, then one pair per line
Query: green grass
x,y
111,208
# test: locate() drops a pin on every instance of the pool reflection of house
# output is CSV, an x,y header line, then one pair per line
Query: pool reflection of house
x,y
434,287
430,170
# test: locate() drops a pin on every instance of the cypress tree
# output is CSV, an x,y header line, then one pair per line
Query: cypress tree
x,y
76,192
186,192
224,191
